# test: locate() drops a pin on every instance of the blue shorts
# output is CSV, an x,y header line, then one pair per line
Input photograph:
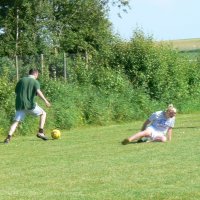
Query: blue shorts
x,y
21,114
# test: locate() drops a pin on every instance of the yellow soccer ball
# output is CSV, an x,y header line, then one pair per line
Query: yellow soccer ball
x,y
55,134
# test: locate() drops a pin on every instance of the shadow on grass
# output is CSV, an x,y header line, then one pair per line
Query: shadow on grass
x,y
177,127
42,140
134,129
135,142
183,127
39,140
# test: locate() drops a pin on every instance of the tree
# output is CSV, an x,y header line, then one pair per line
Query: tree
x,y
22,26
32,27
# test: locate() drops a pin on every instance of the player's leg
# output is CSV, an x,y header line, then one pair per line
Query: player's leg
x,y
137,136
19,117
38,111
42,120
160,138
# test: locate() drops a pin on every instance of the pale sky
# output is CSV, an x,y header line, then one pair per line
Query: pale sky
x,y
162,19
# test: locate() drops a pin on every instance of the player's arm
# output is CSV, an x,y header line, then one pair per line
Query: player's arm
x,y
146,123
169,134
40,94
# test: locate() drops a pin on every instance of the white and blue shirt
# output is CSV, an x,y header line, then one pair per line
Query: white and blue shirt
x,y
160,122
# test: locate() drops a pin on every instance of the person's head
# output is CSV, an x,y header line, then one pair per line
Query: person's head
x,y
170,111
34,72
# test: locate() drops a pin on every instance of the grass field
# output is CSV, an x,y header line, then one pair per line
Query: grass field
x,y
91,164
185,44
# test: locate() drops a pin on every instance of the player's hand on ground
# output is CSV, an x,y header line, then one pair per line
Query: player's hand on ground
x,y
47,103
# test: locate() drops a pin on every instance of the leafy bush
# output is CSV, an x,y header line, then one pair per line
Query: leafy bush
x,y
7,68
135,79
156,69
6,91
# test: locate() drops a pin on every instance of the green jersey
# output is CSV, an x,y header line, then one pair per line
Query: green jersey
x,y
26,90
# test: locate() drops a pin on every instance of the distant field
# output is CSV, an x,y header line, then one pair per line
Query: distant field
x,y
185,44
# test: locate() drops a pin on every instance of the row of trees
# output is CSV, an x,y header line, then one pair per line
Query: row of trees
x,y
82,30
51,26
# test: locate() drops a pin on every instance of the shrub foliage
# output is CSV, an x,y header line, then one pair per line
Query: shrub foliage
x,y
132,80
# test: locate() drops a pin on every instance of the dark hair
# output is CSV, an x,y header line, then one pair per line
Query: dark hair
x,y
33,71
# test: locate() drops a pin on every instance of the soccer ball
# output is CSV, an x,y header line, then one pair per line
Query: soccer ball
x,y
55,134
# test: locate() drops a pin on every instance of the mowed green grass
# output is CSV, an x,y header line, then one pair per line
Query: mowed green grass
x,y
91,164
